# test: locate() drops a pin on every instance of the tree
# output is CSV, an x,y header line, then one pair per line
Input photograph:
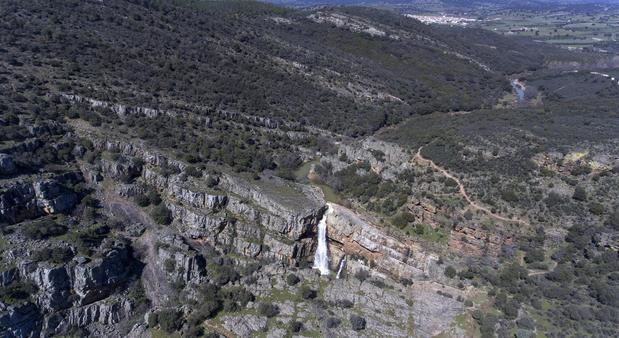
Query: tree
x,y
307,293
580,194
295,326
292,279
450,271
170,320
161,214
268,310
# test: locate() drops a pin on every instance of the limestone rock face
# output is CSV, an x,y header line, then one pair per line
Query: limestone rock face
x,y
95,280
53,283
123,167
196,223
385,159
352,235
7,164
474,241
244,326
180,260
29,199
8,276
104,312
52,197
20,320
287,208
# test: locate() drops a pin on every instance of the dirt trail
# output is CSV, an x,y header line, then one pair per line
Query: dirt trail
x,y
156,288
421,160
551,268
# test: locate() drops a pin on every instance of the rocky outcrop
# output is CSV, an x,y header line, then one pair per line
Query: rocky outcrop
x,y
286,208
288,251
96,279
29,199
244,326
21,320
385,159
72,294
197,199
101,313
8,276
435,306
52,197
7,164
350,234
53,283
123,168
196,223
474,241
108,311
424,212
180,260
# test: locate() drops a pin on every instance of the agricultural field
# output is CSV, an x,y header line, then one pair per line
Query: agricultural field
x,y
573,28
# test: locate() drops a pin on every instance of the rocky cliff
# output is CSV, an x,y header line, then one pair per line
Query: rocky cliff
x,y
350,234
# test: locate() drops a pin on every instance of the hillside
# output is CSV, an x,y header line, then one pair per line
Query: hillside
x,y
262,60
172,168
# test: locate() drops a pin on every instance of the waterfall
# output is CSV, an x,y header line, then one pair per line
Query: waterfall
x,y
321,258
342,264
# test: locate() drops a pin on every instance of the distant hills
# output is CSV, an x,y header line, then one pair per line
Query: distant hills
x,y
425,4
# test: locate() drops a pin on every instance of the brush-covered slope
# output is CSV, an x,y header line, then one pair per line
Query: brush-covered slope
x,y
349,71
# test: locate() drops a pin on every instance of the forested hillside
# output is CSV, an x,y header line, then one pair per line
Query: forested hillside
x,y
257,59
176,168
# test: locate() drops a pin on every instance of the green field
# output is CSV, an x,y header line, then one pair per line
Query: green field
x,y
566,28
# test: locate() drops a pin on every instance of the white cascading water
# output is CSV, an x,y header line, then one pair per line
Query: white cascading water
x,y
321,258
342,264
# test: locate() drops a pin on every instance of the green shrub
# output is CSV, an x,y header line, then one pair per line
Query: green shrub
x,y
450,271
53,255
142,200
307,293
237,295
153,197
295,326
161,214
292,279
406,281
509,195
534,255
16,292
192,171
596,208
223,274
170,320
580,194
402,219
169,265
268,310
43,229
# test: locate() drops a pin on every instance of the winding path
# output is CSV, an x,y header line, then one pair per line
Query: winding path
x,y
421,160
